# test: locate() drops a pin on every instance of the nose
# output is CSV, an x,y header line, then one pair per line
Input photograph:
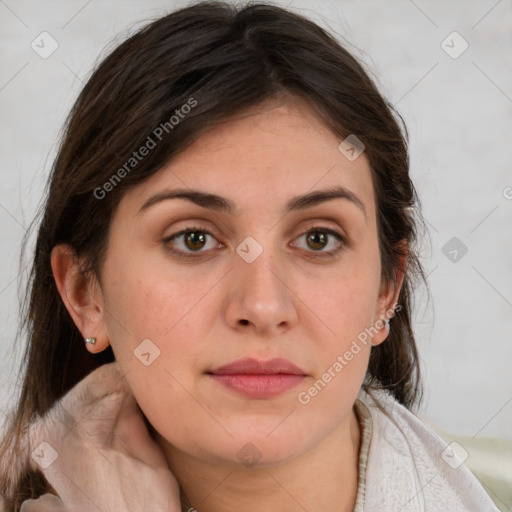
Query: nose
x,y
260,297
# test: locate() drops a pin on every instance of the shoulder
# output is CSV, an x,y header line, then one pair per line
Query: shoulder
x,y
409,467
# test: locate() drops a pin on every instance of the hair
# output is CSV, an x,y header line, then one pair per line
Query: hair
x,y
222,59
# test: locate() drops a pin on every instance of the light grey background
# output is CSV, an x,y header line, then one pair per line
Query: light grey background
x,y
458,112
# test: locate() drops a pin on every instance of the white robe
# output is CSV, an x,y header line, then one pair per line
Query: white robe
x,y
406,467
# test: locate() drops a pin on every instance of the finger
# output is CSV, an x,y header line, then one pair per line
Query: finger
x,y
111,416
87,411
105,381
97,397
46,503
131,435
95,402
41,439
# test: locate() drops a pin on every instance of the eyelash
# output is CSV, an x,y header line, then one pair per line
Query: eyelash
x,y
314,229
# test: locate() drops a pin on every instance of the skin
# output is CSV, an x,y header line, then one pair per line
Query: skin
x,y
209,310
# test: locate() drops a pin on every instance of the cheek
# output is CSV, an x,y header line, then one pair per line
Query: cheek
x,y
347,301
346,306
155,302
156,323
159,346
343,352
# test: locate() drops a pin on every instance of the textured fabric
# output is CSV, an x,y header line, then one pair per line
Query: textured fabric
x,y
366,430
409,468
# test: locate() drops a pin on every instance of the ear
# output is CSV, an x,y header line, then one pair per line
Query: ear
x,y
387,303
81,295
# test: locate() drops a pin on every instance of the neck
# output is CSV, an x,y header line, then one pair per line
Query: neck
x,y
323,478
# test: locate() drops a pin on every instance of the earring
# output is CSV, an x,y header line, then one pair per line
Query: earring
x,y
92,341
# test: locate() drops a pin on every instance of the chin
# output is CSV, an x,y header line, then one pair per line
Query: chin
x,y
254,453
260,446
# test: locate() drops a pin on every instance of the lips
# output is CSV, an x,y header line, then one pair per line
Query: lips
x,y
258,379
254,367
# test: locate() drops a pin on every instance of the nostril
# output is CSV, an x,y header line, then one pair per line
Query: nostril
x,y
244,322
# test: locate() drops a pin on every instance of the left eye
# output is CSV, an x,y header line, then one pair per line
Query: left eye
x,y
317,238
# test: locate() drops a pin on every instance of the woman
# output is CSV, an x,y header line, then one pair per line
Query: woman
x,y
220,308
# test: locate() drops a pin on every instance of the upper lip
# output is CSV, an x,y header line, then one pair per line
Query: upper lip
x,y
255,367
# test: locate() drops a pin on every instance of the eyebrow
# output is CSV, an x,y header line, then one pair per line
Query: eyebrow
x,y
219,203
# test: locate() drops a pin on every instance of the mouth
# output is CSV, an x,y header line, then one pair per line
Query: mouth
x,y
258,379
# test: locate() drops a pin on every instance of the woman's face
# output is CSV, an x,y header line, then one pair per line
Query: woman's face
x,y
277,275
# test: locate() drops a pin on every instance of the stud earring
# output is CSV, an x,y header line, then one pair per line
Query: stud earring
x,y
92,341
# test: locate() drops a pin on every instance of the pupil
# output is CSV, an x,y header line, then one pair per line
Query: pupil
x,y
314,237
195,239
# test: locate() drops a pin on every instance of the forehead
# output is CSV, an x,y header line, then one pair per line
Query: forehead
x,y
271,152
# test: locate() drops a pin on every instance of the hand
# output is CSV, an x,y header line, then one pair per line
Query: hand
x,y
46,503
105,458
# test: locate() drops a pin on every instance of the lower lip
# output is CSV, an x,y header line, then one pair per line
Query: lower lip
x,y
259,386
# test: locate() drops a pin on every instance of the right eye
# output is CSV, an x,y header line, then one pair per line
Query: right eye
x,y
192,240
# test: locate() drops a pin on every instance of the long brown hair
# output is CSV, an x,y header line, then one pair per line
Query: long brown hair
x,y
226,59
